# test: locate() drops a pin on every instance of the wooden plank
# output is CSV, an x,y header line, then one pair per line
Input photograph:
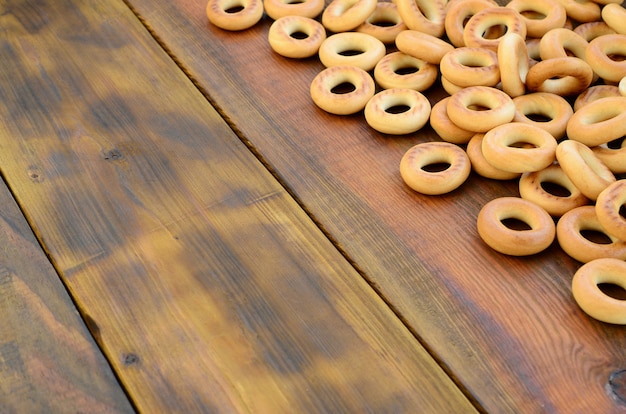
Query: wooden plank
x,y
207,286
507,328
48,360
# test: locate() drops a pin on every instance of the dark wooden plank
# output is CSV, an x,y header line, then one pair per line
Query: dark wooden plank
x,y
507,328
48,360
205,283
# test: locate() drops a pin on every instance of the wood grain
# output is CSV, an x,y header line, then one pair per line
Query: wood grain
x,y
206,285
506,328
48,360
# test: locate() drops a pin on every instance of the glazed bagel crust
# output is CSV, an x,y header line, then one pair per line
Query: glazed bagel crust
x,y
426,16
444,127
599,122
342,103
481,22
276,9
345,15
614,15
553,12
569,233
608,206
563,76
594,93
598,55
414,118
438,182
331,51
514,63
457,14
423,46
386,72
480,165
500,108
582,166
282,42
613,158
531,189
500,150
551,106
385,12
515,242
591,299
471,66
250,14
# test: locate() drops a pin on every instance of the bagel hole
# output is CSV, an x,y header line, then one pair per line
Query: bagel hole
x,y
234,9
351,52
436,167
533,15
555,189
476,107
398,109
295,2
617,57
406,70
495,32
382,22
596,236
471,62
298,35
622,211
522,144
537,117
515,224
569,53
343,88
613,290
616,144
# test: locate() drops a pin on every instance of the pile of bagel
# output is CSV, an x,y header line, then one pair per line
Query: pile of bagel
x,y
537,93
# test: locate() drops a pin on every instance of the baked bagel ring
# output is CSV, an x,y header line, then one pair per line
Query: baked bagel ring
x,y
276,9
464,108
497,235
480,165
351,48
250,13
570,231
378,115
599,122
345,15
414,161
480,24
608,206
531,188
591,299
444,127
564,76
599,56
519,147
324,84
553,110
613,155
582,166
282,41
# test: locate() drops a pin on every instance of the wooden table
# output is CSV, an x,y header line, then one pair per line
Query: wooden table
x,y
183,230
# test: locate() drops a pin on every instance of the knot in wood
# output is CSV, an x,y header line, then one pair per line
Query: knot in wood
x,y
617,384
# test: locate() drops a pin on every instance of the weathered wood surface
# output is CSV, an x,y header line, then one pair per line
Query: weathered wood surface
x,y
48,360
507,328
205,284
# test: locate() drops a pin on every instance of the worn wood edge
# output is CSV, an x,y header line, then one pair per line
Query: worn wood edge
x,y
48,360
